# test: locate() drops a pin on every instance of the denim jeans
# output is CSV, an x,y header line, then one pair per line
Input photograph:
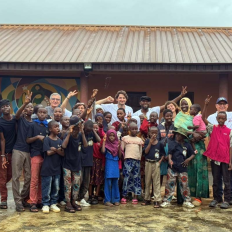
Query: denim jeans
x,y
50,189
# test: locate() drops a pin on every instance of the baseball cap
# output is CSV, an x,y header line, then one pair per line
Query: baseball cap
x,y
74,120
221,99
145,98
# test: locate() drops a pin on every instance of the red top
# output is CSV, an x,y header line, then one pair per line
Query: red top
x,y
219,145
145,127
97,147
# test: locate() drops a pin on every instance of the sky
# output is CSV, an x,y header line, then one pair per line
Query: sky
x,y
205,13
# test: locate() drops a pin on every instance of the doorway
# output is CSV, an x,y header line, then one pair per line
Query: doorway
x,y
134,99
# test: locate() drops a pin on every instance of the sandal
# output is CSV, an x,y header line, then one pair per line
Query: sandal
x,y
156,204
116,203
134,201
3,205
108,204
19,208
146,203
123,201
77,207
69,209
34,209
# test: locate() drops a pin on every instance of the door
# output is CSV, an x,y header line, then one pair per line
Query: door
x,y
134,99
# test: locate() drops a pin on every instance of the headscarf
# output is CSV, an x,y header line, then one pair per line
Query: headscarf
x,y
105,126
137,118
112,146
189,104
184,119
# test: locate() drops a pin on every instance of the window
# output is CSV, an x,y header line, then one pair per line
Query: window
x,y
134,99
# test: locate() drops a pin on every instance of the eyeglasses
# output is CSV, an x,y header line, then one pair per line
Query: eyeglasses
x,y
55,99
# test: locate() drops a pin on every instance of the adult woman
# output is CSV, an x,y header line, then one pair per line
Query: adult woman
x,y
198,167
171,105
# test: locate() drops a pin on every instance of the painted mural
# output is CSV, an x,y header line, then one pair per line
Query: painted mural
x,y
15,90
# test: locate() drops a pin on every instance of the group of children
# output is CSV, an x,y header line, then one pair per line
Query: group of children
x,y
64,158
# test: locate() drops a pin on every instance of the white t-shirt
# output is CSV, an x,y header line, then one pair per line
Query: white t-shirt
x,y
150,110
51,112
112,108
213,119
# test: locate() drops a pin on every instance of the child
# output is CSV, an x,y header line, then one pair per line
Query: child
x,y
72,145
154,153
65,122
180,154
108,116
97,172
8,136
198,123
144,128
220,152
36,107
141,116
21,155
35,136
112,150
99,109
87,160
131,170
58,113
50,170
121,114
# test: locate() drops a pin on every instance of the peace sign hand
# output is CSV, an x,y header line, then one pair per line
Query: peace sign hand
x,y
184,91
207,100
72,93
28,97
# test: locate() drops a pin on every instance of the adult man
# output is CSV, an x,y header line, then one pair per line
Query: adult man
x,y
145,102
121,98
55,100
222,105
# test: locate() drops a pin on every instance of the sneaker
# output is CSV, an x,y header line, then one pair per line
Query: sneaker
x,y
84,203
224,205
62,204
54,208
188,204
45,209
213,203
165,204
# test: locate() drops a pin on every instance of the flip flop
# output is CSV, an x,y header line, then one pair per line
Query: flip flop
x,y
134,201
77,207
3,205
34,209
146,203
70,209
123,201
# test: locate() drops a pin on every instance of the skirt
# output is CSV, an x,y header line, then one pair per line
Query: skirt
x,y
97,174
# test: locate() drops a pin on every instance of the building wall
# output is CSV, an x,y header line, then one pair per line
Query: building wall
x,y
158,85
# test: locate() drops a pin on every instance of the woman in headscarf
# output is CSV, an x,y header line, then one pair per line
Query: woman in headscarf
x,y
198,167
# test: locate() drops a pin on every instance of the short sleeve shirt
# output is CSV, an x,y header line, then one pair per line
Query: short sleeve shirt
x,y
156,151
52,163
213,119
37,145
8,128
72,157
198,121
23,128
87,153
150,110
164,134
112,108
179,155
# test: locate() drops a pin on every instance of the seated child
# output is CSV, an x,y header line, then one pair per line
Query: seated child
x,y
180,154
97,171
131,170
50,170
154,153
35,137
121,113
112,150
72,145
220,153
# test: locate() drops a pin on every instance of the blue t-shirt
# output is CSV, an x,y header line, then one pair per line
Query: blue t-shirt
x,y
111,166
87,156
52,163
179,155
23,128
156,151
8,128
72,157
37,146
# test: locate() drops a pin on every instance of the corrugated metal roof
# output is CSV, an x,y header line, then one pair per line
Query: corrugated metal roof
x,y
110,44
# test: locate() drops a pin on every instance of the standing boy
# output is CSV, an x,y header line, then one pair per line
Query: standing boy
x,y
7,136
220,152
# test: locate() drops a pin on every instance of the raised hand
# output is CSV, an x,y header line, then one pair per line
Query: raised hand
x,y
152,139
72,93
95,91
207,100
81,127
110,99
70,129
28,97
184,91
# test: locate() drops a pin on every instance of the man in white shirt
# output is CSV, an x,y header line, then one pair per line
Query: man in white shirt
x,y
121,98
222,105
145,102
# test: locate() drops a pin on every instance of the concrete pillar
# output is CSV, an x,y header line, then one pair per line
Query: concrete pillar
x,y
223,85
84,88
